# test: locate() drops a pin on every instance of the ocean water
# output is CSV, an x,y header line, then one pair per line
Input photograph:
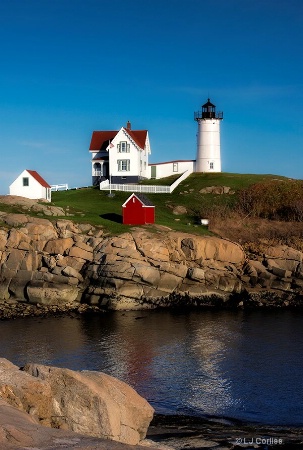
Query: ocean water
x,y
223,364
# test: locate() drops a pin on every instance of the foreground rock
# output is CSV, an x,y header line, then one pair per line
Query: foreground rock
x,y
90,403
19,430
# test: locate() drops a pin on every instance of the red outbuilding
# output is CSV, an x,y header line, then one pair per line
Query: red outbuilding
x,y
138,210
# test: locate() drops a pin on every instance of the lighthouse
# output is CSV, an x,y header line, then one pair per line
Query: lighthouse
x,y
208,138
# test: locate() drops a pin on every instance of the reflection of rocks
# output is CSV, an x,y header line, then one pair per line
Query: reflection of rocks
x,y
90,403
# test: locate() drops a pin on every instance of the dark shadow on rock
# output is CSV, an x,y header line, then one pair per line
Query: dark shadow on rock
x,y
113,217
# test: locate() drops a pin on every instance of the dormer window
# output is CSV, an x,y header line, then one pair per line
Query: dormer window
x,y
123,147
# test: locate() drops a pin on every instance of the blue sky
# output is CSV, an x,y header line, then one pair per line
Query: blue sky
x,y
73,66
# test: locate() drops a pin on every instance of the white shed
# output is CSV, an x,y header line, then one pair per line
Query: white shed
x,y
168,168
30,184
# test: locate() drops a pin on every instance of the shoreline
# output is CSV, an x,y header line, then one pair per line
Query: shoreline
x,y
10,310
181,431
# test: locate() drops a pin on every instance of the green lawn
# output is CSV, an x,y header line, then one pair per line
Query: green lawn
x,y
96,207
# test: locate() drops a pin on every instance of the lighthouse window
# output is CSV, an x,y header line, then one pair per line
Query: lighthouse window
x,y
211,165
175,167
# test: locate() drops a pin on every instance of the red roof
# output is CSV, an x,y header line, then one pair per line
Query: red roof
x,y
100,139
139,136
38,178
141,197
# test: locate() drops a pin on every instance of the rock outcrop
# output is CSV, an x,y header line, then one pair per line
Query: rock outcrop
x,y
217,190
19,430
36,206
41,261
59,265
86,402
139,270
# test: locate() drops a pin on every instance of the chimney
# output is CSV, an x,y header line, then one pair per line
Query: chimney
x,y
128,125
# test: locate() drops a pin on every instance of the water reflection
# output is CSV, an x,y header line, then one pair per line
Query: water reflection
x,y
241,365
210,342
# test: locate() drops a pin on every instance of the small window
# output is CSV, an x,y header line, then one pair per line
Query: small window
x,y
175,167
25,181
123,147
211,165
123,165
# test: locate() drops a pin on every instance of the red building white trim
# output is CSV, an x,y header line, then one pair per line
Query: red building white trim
x,y
138,210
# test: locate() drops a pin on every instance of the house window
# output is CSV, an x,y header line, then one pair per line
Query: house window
x,y
211,165
123,165
175,167
123,147
25,181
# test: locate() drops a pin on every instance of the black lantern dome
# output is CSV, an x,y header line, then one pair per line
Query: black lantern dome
x,y
208,112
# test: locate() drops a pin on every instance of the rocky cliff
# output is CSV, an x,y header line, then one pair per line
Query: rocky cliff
x,y
57,265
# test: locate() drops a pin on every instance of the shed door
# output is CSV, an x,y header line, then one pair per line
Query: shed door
x,y
153,172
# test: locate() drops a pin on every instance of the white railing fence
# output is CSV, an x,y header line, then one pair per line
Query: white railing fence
x,y
146,188
104,184
59,187
180,179
151,189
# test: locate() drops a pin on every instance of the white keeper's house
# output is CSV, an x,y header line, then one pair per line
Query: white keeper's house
x,y
122,156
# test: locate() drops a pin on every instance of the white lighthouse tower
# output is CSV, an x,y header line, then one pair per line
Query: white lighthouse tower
x,y
208,139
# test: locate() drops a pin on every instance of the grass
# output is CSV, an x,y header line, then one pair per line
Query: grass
x,y
96,207
167,181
